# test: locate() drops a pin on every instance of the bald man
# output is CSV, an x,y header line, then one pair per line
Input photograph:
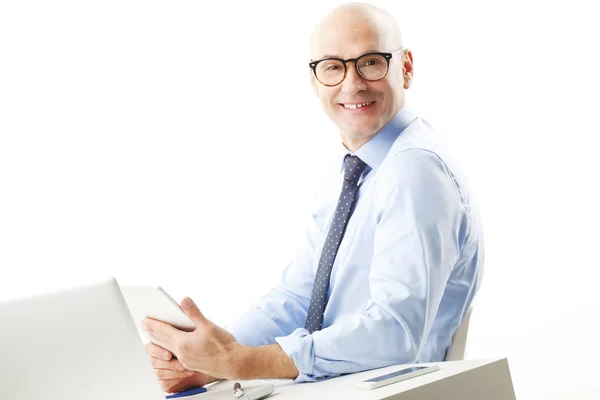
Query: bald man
x,y
394,256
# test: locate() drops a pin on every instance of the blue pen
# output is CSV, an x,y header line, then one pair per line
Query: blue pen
x,y
189,392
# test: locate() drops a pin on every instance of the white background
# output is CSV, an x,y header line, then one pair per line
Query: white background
x,y
177,143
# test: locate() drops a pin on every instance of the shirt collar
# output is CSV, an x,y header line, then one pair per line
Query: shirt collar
x,y
374,151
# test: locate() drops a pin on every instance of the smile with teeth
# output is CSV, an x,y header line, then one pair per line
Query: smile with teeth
x,y
355,106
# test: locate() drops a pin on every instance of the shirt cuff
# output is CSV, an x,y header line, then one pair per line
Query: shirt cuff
x,y
300,347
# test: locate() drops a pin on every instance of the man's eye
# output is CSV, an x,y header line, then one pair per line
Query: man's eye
x,y
370,63
332,68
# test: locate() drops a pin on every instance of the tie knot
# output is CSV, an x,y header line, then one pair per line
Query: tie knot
x,y
353,168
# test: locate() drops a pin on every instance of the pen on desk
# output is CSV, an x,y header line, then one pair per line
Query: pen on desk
x,y
187,392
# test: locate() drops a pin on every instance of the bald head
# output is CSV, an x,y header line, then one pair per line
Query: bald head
x,y
349,23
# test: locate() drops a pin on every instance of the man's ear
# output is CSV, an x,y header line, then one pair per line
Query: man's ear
x,y
407,68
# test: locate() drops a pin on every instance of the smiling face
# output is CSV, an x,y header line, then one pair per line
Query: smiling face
x,y
360,108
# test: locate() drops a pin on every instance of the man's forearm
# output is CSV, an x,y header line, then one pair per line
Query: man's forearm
x,y
264,362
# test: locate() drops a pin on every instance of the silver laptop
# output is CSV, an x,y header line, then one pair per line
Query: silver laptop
x,y
74,344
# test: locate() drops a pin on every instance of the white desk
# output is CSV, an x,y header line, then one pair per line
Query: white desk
x,y
456,380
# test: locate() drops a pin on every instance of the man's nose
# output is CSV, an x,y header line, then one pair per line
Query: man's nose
x,y
353,82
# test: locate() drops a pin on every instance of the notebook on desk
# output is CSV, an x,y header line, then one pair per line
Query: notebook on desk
x,y
74,344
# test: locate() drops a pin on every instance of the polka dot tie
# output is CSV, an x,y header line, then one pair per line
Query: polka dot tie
x,y
353,168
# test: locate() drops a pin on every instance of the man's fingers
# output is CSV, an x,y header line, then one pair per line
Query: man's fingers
x,y
158,352
178,387
167,374
160,333
192,311
170,385
173,365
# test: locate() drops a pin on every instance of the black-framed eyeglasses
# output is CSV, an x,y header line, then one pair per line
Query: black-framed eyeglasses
x,y
371,67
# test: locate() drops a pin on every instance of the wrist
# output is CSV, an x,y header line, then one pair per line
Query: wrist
x,y
262,362
240,356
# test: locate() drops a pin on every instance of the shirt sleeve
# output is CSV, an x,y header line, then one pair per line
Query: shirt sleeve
x,y
421,223
284,308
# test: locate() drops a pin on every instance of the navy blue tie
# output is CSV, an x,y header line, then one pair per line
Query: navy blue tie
x,y
353,168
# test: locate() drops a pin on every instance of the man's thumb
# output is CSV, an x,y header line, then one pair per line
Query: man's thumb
x,y
191,310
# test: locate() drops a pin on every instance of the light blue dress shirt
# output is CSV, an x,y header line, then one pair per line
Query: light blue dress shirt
x,y
406,271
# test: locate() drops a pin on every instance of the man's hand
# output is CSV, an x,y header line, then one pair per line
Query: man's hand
x,y
209,349
172,375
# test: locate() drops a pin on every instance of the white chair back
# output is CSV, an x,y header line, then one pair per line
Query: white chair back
x,y
456,351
